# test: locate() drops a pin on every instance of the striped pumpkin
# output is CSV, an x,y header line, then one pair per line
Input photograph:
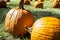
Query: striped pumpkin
x,y
17,18
46,28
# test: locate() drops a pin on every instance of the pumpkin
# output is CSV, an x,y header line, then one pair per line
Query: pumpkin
x,y
56,4
27,2
38,4
46,28
3,4
17,18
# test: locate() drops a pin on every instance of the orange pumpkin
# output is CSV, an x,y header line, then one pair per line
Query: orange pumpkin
x,y
27,2
17,18
38,4
46,28
3,4
56,4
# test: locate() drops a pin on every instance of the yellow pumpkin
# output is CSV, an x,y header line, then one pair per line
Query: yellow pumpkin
x,y
17,18
38,4
27,2
46,28
56,4
3,4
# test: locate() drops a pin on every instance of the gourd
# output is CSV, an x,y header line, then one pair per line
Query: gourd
x,y
56,4
46,28
38,4
27,2
3,4
17,18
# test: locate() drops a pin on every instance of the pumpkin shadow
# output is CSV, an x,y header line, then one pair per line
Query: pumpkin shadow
x,y
39,14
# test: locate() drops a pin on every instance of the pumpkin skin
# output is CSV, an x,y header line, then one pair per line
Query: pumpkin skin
x,y
3,4
56,4
27,2
16,19
38,4
46,28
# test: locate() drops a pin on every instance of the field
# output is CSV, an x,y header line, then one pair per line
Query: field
x,y
37,12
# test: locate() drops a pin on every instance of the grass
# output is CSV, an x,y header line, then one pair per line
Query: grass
x,y
37,12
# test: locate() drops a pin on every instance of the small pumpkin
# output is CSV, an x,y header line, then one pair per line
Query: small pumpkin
x,y
38,4
56,4
17,18
27,2
3,4
46,28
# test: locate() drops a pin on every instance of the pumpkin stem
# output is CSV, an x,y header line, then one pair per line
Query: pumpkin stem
x,y
29,29
21,4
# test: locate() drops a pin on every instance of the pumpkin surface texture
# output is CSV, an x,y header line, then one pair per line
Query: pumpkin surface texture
x,y
3,4
46,28
17,18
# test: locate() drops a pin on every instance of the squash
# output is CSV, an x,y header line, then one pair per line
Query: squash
x,y
46,28
3,4
17,18
27,2
38,4
56,4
